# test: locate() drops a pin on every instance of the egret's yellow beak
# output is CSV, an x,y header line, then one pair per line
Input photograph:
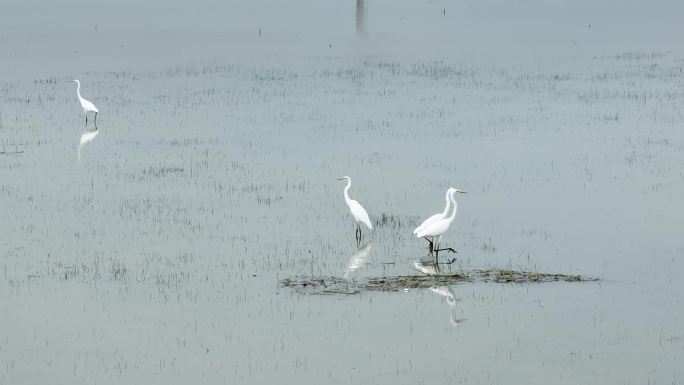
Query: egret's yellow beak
x,y
462,192
341,178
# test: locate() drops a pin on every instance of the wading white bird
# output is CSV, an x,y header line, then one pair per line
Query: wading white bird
x,y
436,217
357,211
440,226
87,105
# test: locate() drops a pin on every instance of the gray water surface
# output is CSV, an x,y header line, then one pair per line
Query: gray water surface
x,y
151,252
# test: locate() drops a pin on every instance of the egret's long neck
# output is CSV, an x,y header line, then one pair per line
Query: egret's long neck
x,y
448,205
78,90
453,213
346,191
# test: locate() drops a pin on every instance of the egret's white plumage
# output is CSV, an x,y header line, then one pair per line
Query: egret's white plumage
x,y
87,105
437,216
439,227
357,211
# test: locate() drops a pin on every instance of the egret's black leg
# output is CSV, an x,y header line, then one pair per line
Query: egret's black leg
x,y
437,250
86,118
96,120
430,244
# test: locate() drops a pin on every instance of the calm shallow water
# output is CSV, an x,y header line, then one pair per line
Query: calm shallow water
x,y
156,256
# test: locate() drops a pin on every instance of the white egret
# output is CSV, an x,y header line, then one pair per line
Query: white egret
x,y
87,105
357,211
436,217
440,226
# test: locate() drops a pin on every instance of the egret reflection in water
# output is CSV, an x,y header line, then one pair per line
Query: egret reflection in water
x,y
86,137
358,259
446,292
451,299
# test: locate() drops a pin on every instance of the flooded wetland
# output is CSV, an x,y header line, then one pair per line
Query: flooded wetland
x,y
198,233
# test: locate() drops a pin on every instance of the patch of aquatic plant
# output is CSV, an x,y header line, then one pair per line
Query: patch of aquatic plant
x,y
336,285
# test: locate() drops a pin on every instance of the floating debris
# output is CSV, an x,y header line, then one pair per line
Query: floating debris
x,y
336,285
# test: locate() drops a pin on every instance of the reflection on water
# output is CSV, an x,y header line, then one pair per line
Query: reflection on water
x,y
358,259
427,267
86,137
431,267
193,220
447,292
360,16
